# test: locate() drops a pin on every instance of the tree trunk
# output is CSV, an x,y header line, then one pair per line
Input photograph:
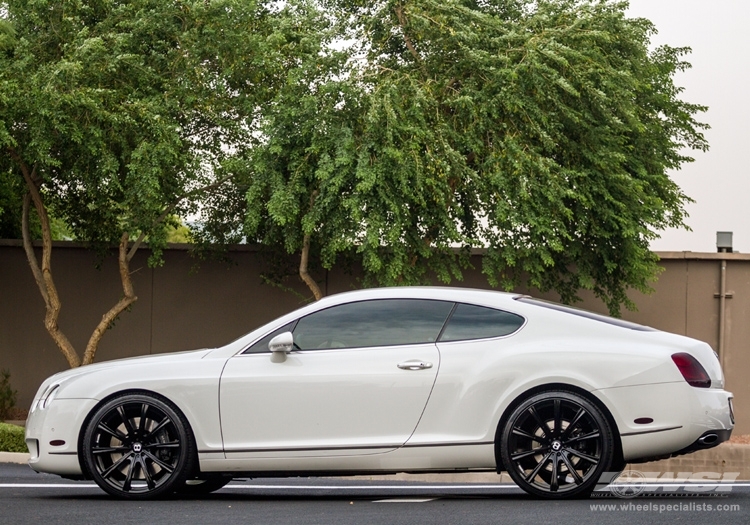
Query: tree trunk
x,y
43,274
303,273
46,283
127,299
305,258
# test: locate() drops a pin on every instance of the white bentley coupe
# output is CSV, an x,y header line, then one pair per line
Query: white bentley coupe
x,y
389,380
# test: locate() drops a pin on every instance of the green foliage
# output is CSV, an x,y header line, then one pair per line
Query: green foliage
x,y
117,116
11,197
542,131
7,394
12,438
178,232
127,109
303,33
301,179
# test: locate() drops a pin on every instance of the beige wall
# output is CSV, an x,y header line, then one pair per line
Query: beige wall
x,y
184,305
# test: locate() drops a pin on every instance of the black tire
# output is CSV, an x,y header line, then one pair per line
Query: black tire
x,y
138,446
556,445
203,485
618,466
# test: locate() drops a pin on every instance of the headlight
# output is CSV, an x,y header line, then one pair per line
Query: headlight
x,y
48,396
38,400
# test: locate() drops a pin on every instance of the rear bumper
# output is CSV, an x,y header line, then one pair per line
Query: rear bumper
x,y
709,439
679,418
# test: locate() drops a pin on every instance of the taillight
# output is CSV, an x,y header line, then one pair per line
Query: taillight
x,y
692,370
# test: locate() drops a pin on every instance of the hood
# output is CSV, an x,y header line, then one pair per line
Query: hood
x,y
62,377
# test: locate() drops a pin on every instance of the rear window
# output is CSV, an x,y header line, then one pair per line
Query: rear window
x,y
588,315
478,322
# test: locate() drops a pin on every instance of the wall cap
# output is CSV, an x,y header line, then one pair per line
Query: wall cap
x,y
684,255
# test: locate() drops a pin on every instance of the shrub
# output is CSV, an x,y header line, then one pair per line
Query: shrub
x,y
7,395
12,438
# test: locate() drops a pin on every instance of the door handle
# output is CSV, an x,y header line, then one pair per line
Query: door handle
x,y
414,364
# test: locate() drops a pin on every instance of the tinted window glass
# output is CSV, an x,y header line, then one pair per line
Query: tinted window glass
x,y
373,323
478,322
262,345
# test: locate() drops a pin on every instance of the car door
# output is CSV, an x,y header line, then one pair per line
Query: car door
x,y
356,383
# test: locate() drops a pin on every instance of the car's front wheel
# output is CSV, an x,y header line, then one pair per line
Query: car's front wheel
x,y
557,444
138,446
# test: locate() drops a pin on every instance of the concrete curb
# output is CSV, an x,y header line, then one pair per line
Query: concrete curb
x,y
14,457
464,477
727,458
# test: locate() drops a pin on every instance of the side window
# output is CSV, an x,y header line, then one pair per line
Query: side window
x,y
262,345
478,322
383,322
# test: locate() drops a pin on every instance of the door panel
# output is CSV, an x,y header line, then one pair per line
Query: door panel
x,y
325,402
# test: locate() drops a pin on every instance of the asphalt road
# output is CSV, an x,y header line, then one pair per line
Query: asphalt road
x,y
27,497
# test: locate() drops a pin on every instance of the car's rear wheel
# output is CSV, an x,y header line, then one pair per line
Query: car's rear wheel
x,y
138,446
556,444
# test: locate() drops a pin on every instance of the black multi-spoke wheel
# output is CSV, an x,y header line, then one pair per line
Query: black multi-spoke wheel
x,y
557,445
138,446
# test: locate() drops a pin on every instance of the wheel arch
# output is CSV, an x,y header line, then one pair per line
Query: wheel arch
x,y
617,458
121,393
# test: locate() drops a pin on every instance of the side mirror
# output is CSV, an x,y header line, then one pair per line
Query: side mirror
x,y
281,345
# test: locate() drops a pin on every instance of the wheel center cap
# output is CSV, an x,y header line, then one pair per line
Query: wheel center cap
x,y
137,447
556,446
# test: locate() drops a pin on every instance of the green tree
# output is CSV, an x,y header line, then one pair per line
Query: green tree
x,y
301,187
117,115
540,130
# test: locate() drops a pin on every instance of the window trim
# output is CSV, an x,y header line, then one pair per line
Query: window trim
x,y
244,351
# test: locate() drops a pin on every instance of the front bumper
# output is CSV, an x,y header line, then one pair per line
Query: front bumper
x,y
52,435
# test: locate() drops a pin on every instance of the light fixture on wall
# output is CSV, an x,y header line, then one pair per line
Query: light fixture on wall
x,y
724,242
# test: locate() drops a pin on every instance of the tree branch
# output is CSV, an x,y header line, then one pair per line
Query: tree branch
x,y
399,9
127,299
29,249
